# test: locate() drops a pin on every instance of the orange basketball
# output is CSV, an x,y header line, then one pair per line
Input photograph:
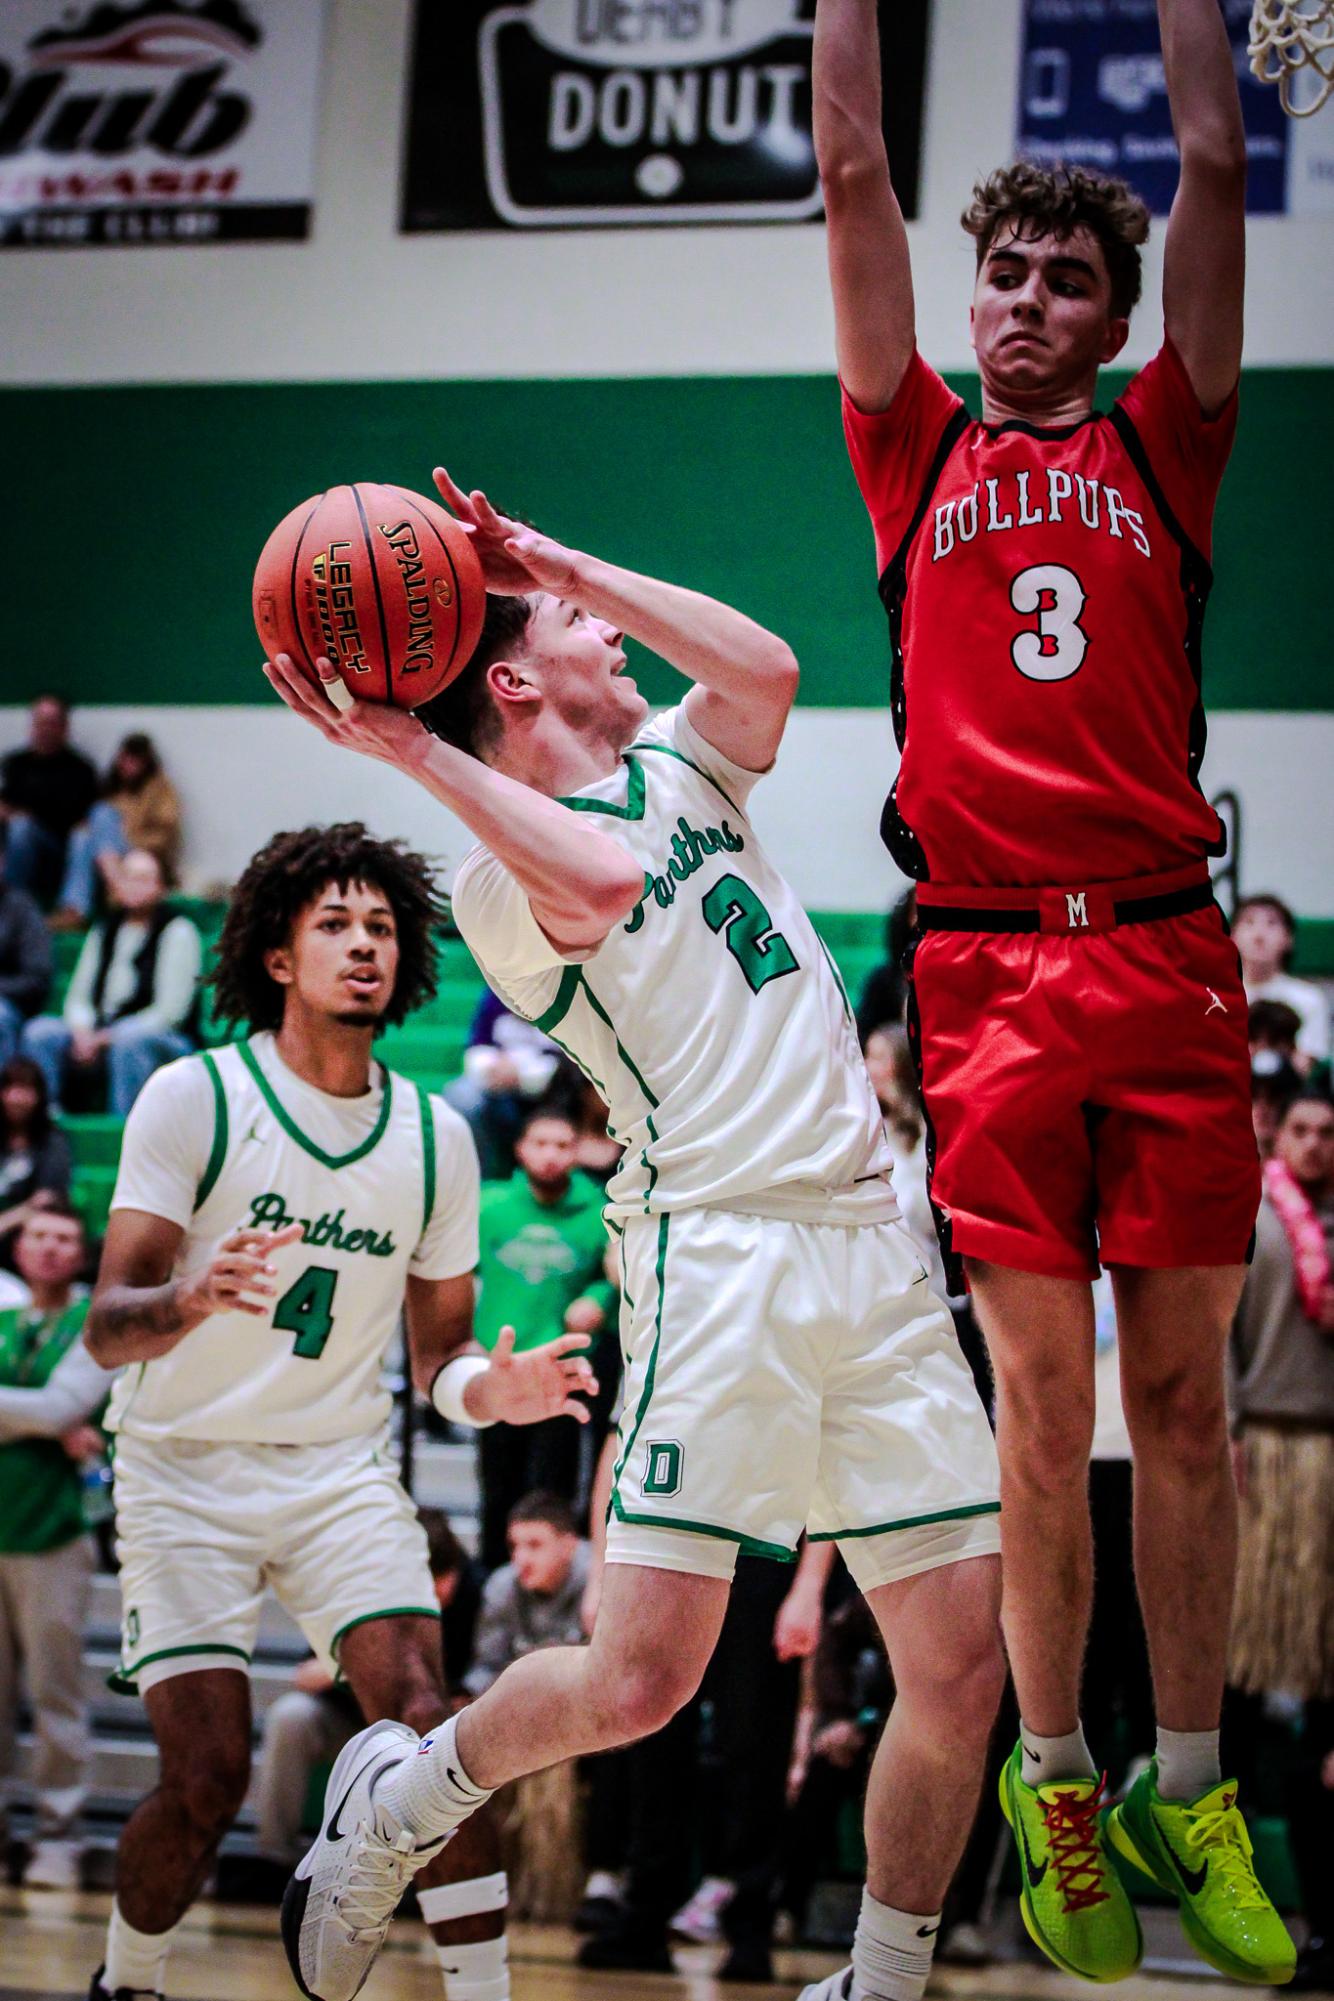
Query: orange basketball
x,y
382,582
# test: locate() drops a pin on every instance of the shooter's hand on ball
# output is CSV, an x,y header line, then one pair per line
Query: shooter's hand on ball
x,y
374,728
524,1389
514,558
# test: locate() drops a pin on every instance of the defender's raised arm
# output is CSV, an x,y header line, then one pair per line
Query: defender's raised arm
x,y
869,267
1204,259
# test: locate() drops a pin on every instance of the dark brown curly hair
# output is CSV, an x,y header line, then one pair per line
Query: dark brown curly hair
x,y
285,877
1056,201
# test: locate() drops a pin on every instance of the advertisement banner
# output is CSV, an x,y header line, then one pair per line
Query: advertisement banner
x,y
132,122
1092,92
536,114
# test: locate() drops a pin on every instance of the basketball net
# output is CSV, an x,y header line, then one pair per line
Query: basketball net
x,y
1287,37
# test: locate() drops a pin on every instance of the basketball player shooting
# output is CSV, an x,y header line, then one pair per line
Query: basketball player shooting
x,y
787,1367
280,1203
1077,1011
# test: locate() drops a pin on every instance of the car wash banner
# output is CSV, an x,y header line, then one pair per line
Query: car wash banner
x,y
157,122
575,113
1092,91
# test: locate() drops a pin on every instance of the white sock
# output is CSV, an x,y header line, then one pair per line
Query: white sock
x,y
476,1972
137,1960
430,1792
891,1952
1048,1758
1188,1763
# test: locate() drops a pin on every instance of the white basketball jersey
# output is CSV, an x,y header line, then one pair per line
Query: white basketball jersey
x,y
383,1185
712,1020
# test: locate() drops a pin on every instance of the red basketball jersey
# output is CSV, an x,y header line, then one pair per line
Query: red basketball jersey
x,y
1046,593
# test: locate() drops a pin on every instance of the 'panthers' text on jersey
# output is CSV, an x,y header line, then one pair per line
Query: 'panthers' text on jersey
x,y
384,1185
1046,592
712,1020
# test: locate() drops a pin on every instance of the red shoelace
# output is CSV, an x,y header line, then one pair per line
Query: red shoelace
x,y
1076,1853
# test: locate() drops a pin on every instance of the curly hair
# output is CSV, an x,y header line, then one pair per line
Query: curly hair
x,y
1056,201
463,713
285,877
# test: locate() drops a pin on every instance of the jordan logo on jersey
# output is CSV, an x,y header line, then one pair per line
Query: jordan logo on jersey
x,y
326,1231
993,505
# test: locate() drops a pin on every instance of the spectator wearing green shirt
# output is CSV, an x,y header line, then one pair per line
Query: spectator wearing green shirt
x,y
541,1271
46,1556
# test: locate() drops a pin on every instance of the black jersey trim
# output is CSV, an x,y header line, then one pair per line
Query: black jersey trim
x,y
1054,433
895,832
1197,581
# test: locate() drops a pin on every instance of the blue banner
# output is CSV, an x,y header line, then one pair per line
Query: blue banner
x,y
1092,92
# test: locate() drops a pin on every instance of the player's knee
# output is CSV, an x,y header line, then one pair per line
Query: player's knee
x,y
644,1699
212,1785
1180,1417
1044,1443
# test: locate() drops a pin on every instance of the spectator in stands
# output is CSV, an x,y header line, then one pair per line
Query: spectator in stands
x,y
1272,1028
1282,1398
1118,1692
541,1271
507,1066
133,1000
138,809
46,789
1265,931
1272,1091
34,1154
886,988
309,1725
599,1155
25,962
46,1555
536,1599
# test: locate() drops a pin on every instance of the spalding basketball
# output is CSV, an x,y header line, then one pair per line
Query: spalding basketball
x,y
382,582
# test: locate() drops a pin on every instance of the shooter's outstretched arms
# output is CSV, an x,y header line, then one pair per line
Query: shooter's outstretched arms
x,y
869,268
580,883
1204,259
746,678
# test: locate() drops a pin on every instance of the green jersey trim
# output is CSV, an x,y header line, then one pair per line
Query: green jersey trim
x,y
635,788
389,1612
838,980
666,750
553,1016
218,1151
750,1545
293,1130
646,1395
428,1158
908,1522
650,1166
124,1681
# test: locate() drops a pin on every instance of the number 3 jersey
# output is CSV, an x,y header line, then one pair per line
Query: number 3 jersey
x,y
1046,593
712,1020
384,1185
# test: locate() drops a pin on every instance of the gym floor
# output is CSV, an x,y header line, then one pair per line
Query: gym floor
x,y
51,1943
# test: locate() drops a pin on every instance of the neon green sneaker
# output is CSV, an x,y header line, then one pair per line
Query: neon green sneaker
x,y
1073,1901
1200,1852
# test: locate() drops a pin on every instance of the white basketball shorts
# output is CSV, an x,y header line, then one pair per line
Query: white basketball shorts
x,y
785,1376
202,1529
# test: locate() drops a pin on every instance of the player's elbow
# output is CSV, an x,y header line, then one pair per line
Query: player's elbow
x,y
615,894
95,1339
1216,158
853,169
782,671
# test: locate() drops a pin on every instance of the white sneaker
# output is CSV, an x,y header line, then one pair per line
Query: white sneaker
x,y
53,1865
348,1885
700,1917
838,1987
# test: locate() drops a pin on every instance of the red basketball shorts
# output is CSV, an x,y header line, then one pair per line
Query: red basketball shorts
x,y
1088,1094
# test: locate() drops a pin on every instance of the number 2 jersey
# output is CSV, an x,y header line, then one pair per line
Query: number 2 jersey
x,y
385,1186
712,1020
1046,592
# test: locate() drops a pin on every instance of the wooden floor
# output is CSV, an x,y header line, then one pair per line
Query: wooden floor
x,y
51,1943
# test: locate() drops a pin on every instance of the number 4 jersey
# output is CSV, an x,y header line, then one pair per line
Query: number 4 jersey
x,y
1046,593
711,1020
384,1185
